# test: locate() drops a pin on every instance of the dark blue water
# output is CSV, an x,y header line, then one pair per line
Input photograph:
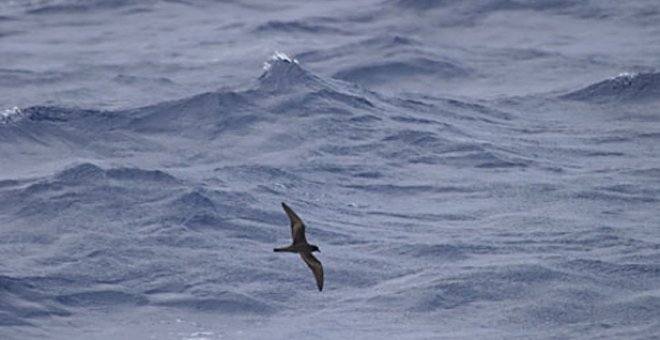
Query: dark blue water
x,y
487,169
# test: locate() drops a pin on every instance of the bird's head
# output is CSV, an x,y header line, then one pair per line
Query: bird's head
x,y
313,248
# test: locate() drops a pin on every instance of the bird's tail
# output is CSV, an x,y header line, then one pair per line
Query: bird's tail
x,y
285,249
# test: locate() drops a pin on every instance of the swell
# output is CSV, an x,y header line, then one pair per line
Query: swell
x,y
69,7
21,301
390,70
308,26
625,88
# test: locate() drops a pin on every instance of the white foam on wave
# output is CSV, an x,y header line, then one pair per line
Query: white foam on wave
x,y
625,78
11,114
626,75
200,336
279,56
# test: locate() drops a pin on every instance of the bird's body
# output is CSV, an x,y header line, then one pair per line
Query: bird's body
x,y
301,246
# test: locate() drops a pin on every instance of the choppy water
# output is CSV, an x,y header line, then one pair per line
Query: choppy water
x,y
470,170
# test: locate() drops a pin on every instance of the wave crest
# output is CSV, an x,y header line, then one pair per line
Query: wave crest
x,y
11,115
626,88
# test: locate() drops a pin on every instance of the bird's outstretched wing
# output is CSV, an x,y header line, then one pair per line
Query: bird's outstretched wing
x,y
316,267
297,225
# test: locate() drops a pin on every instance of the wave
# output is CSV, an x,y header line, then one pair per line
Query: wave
x,y
104,298
460,154
4,18
284,89
11,115
283,73
136,174
444,252
390,58
309,26
221,302
615,274
75,6
625,88
54,114
87,173
609,195
421,4
81,174
133,80
488,285
381,44
69,192
467,13
194,200
21,301
390,70
17,77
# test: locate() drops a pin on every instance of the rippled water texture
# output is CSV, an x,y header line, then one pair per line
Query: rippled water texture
x,y
470,170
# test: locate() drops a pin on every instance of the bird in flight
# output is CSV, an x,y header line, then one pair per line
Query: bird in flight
x,y
301,246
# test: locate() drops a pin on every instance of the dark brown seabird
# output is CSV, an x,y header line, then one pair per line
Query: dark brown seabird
x,y
301,246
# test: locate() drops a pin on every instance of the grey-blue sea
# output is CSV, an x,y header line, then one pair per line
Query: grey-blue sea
x,y
484,169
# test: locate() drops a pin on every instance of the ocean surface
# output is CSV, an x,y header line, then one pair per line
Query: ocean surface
x,y
484,169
